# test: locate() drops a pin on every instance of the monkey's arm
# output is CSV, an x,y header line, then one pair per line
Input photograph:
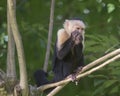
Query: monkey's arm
x,y
64,44
65,49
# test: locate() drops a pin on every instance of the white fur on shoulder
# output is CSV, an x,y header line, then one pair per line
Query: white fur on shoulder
x,y
62,36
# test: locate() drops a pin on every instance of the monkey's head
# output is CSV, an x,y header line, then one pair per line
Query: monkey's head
x,y
75,27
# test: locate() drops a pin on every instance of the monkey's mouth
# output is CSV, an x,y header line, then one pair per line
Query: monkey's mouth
x,y
77,37
81,38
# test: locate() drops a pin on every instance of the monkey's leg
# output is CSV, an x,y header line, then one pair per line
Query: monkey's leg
x,y
74,75
78,70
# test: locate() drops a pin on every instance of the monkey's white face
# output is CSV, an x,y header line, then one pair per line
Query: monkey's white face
x,y
74,25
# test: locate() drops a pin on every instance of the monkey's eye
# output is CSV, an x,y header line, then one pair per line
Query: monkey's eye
x,y
77,28
82,28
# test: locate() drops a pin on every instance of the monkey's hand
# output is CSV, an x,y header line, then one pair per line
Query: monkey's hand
x,y
76,37
73,76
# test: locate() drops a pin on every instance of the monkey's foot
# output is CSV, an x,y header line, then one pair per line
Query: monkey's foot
x,y
74,75
73,78
78,70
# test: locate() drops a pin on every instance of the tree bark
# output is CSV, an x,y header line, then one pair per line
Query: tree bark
x,y
11,71
19,46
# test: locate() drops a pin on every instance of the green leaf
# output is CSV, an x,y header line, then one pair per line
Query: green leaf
x,y
111,7
114,90
109,83
98,91
109,19
98,82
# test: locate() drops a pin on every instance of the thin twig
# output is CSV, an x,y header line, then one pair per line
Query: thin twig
x,y
96,62
49,35
56,90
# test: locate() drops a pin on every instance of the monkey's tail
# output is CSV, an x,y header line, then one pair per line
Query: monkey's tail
x,y
41,79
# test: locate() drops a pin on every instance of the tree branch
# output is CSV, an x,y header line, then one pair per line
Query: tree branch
x,y
11,71
102,59
58,88
18,42
49,35
90,65
85,71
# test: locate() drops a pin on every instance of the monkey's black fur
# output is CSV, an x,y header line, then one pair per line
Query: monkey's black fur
x,y
40,77
65,61
68,59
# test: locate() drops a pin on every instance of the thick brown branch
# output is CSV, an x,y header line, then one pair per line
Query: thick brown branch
x,y
11,71
18,42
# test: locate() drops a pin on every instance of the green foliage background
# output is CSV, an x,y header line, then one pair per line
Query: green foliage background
x,y
102,18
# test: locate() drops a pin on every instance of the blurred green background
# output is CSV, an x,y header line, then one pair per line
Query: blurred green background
x,y
102,18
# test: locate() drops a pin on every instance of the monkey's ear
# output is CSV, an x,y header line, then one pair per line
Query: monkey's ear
x,y
66,20
66,23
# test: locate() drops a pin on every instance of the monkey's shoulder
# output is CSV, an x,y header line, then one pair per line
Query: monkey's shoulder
x,y
62,36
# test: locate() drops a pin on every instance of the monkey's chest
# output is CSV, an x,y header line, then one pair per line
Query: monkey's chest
x,y
71,61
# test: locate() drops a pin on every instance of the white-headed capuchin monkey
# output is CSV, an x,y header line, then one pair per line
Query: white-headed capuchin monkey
x,y
68,52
